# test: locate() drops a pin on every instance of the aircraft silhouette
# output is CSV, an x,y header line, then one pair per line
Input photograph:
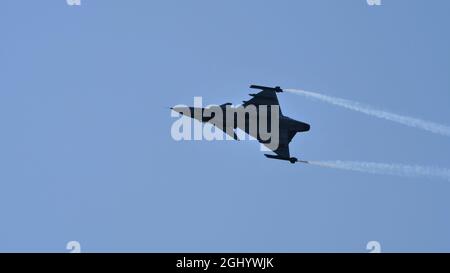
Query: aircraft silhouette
x,y
266,98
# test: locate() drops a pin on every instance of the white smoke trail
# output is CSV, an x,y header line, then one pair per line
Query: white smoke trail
x,y
384,168
366,109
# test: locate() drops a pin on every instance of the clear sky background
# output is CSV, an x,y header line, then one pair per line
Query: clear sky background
x,y
86,152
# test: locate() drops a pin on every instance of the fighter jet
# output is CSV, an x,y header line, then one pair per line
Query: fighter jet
x,y
266,99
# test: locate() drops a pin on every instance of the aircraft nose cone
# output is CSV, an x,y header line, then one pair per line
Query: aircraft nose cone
x,y
181,109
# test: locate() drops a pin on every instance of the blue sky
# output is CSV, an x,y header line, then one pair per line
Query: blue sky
x,y
86,152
